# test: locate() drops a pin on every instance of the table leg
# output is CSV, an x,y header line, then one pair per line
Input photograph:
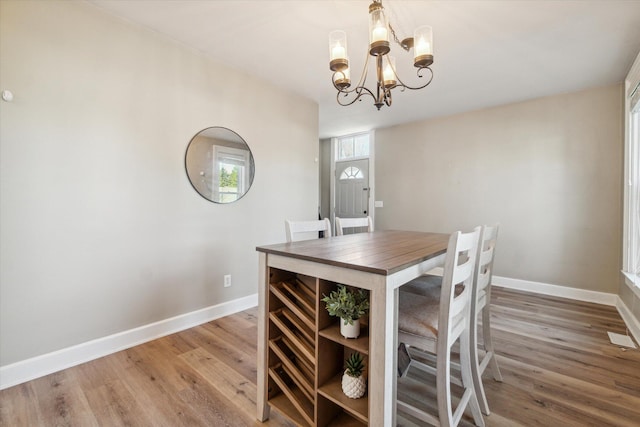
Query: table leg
x,y
263,337
382,355
391,356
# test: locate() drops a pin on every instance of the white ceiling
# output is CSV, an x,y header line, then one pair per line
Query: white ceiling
x,y
487,53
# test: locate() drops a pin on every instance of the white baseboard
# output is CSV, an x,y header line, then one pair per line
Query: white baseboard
x,y
629,319
29,369
557,291
549,289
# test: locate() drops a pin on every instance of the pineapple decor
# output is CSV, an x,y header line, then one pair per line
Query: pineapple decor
x,y
353,383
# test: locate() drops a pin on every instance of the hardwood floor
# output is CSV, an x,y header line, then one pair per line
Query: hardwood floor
x,y
558,366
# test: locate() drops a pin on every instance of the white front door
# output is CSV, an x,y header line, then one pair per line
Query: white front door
x,y
352,188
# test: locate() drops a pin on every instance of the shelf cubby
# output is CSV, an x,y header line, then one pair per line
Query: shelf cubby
x,y
284,349
296,396
332,390
296,300
281,320
361,344
295,371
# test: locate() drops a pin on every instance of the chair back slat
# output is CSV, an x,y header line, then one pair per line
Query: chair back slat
x,y
294,228
484,267
463,271
342,223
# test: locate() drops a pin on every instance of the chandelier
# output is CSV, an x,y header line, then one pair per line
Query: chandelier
x,y
379,47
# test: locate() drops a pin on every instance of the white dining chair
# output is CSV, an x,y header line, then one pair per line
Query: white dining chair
x,y
301,230
480,306
434,322
343,223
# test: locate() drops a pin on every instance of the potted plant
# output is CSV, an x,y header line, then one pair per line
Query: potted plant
x,y
349,305
353,383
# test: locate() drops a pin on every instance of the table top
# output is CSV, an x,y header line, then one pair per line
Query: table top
x,y
380,252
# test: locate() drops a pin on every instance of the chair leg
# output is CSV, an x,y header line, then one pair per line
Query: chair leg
x,y
476,371
488,343
404,360
443,386
467,377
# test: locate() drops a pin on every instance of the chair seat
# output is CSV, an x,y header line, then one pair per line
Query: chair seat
x,y
426,285
419,303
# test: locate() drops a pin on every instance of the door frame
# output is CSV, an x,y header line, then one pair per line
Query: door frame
x,y
332,175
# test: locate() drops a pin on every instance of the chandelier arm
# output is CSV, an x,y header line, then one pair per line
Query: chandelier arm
x,y
360,90
361,82
387,97
401,83
365,70
333,79
381,90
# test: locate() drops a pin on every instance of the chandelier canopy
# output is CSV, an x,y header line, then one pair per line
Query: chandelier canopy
x,y
379,47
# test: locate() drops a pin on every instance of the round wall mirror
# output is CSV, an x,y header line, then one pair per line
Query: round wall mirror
x,y
219,165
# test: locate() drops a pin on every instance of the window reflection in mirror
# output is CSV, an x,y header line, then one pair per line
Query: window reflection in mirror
x,y
219,165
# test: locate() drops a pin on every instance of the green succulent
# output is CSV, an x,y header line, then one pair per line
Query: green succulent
x,y
348,304
354,365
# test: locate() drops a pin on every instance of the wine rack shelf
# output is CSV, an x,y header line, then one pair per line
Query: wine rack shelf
x,y
306,354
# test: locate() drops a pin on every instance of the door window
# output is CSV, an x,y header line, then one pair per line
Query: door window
x,y
352,172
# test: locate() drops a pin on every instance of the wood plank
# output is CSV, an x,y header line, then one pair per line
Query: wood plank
x,y
20,407
114,405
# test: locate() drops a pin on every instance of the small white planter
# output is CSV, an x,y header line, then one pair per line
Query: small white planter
x,y
350,331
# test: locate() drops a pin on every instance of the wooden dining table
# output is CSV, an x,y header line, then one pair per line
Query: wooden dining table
x,y
296,338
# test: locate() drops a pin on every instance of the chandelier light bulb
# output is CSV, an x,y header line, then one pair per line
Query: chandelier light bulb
x,y
379,33
423,46
389,74
338,52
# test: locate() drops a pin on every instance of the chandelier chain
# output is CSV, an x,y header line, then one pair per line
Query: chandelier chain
x,y
395,38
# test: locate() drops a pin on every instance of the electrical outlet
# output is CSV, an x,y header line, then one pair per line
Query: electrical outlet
x,y
227,280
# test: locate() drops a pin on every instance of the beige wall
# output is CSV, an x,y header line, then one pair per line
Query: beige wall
x,y
548,170
100,229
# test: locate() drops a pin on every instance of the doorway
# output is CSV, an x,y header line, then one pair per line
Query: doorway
x,y
347,174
